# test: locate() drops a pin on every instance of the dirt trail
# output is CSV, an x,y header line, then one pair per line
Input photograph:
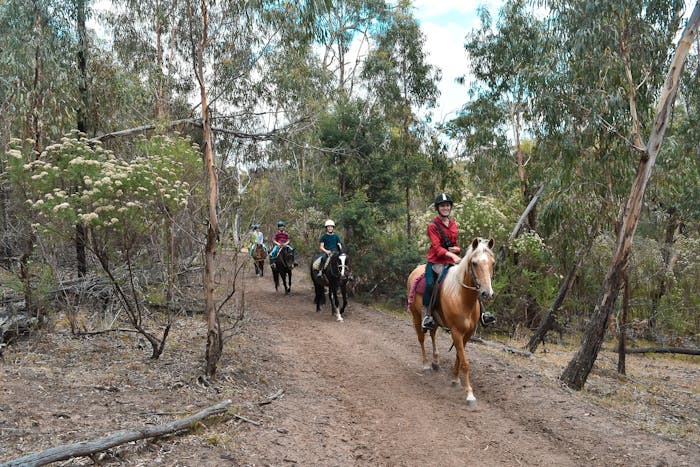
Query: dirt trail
x,y
310,391
354,395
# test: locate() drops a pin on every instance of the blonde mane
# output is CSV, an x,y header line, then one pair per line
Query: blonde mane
x,y
457,274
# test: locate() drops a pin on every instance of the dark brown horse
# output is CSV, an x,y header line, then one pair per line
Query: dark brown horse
x,y
259,255
457,306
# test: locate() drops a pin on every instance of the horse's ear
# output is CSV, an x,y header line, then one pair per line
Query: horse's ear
x,y
491,243
475,243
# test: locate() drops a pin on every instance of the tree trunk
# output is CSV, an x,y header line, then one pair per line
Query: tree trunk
x,y
623,325
519,224
81,118
214,340
580,366
669,239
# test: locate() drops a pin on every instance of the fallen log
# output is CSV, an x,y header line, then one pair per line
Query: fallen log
x,y
676,350
87,448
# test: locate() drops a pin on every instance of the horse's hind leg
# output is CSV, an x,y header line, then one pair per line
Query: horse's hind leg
x,y
421,339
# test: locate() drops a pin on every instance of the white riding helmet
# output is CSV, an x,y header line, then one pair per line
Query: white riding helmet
x,y
330,222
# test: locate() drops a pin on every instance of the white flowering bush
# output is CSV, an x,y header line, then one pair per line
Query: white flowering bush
x,y
77,182
481,216
529,244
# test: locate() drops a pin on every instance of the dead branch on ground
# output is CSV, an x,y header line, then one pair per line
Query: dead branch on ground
x,y
91,447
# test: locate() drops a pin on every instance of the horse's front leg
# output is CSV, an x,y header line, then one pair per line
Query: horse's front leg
x,y
462,364
333,297
436,354
344,293
288,285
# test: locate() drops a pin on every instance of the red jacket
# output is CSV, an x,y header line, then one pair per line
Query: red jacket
x,y
437,252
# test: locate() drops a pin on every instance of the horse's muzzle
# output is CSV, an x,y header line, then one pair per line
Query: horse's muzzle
x,y
486,295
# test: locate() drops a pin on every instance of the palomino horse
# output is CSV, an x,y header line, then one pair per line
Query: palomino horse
x,y
457,306
282,268
259,255
335,277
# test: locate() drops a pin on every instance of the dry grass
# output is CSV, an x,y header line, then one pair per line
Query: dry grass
x,y
659,392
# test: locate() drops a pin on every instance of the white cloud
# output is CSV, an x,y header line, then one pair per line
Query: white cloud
x,y
445,24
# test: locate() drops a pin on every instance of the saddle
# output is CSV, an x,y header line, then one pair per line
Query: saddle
x,y
434,307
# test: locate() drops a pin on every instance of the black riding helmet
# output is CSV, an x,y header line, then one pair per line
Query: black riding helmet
x,y
443,198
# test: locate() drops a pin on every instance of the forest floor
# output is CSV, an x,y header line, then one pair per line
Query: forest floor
x,y
310,391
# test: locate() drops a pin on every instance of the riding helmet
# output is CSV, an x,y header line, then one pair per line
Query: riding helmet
x,y
280,224
443,198
330,222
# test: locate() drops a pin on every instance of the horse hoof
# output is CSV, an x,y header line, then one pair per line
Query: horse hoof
x,y
427,370
455,384
435,366
471,403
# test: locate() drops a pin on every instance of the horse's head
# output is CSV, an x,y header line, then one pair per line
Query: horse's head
x,y
340,265
286,254
479,263
259,253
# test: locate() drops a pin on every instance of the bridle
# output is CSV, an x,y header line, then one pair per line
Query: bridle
x,y
341,270
286,256
470,269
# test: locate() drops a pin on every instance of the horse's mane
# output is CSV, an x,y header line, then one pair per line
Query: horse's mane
x,y
456,275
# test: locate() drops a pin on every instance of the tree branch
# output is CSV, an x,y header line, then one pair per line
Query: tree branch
x,y
86,448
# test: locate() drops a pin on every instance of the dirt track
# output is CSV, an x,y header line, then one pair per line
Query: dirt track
x,y
355,395
312,391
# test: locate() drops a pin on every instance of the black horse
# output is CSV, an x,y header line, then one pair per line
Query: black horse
x,y
282,268
335,277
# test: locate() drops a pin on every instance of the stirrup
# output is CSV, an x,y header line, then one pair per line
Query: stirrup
x,y
487,318
428,324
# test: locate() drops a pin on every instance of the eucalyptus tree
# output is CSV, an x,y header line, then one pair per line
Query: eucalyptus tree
x,y
641,35
39,98
507,62
344,25
145,38
399,76
227,45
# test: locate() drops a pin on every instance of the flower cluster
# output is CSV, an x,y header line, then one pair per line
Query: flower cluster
x,y
76,181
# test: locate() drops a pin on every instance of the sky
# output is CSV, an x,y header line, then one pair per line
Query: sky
x,y
445,24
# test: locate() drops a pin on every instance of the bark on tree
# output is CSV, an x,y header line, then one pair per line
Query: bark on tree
x,y
580,366
90,447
